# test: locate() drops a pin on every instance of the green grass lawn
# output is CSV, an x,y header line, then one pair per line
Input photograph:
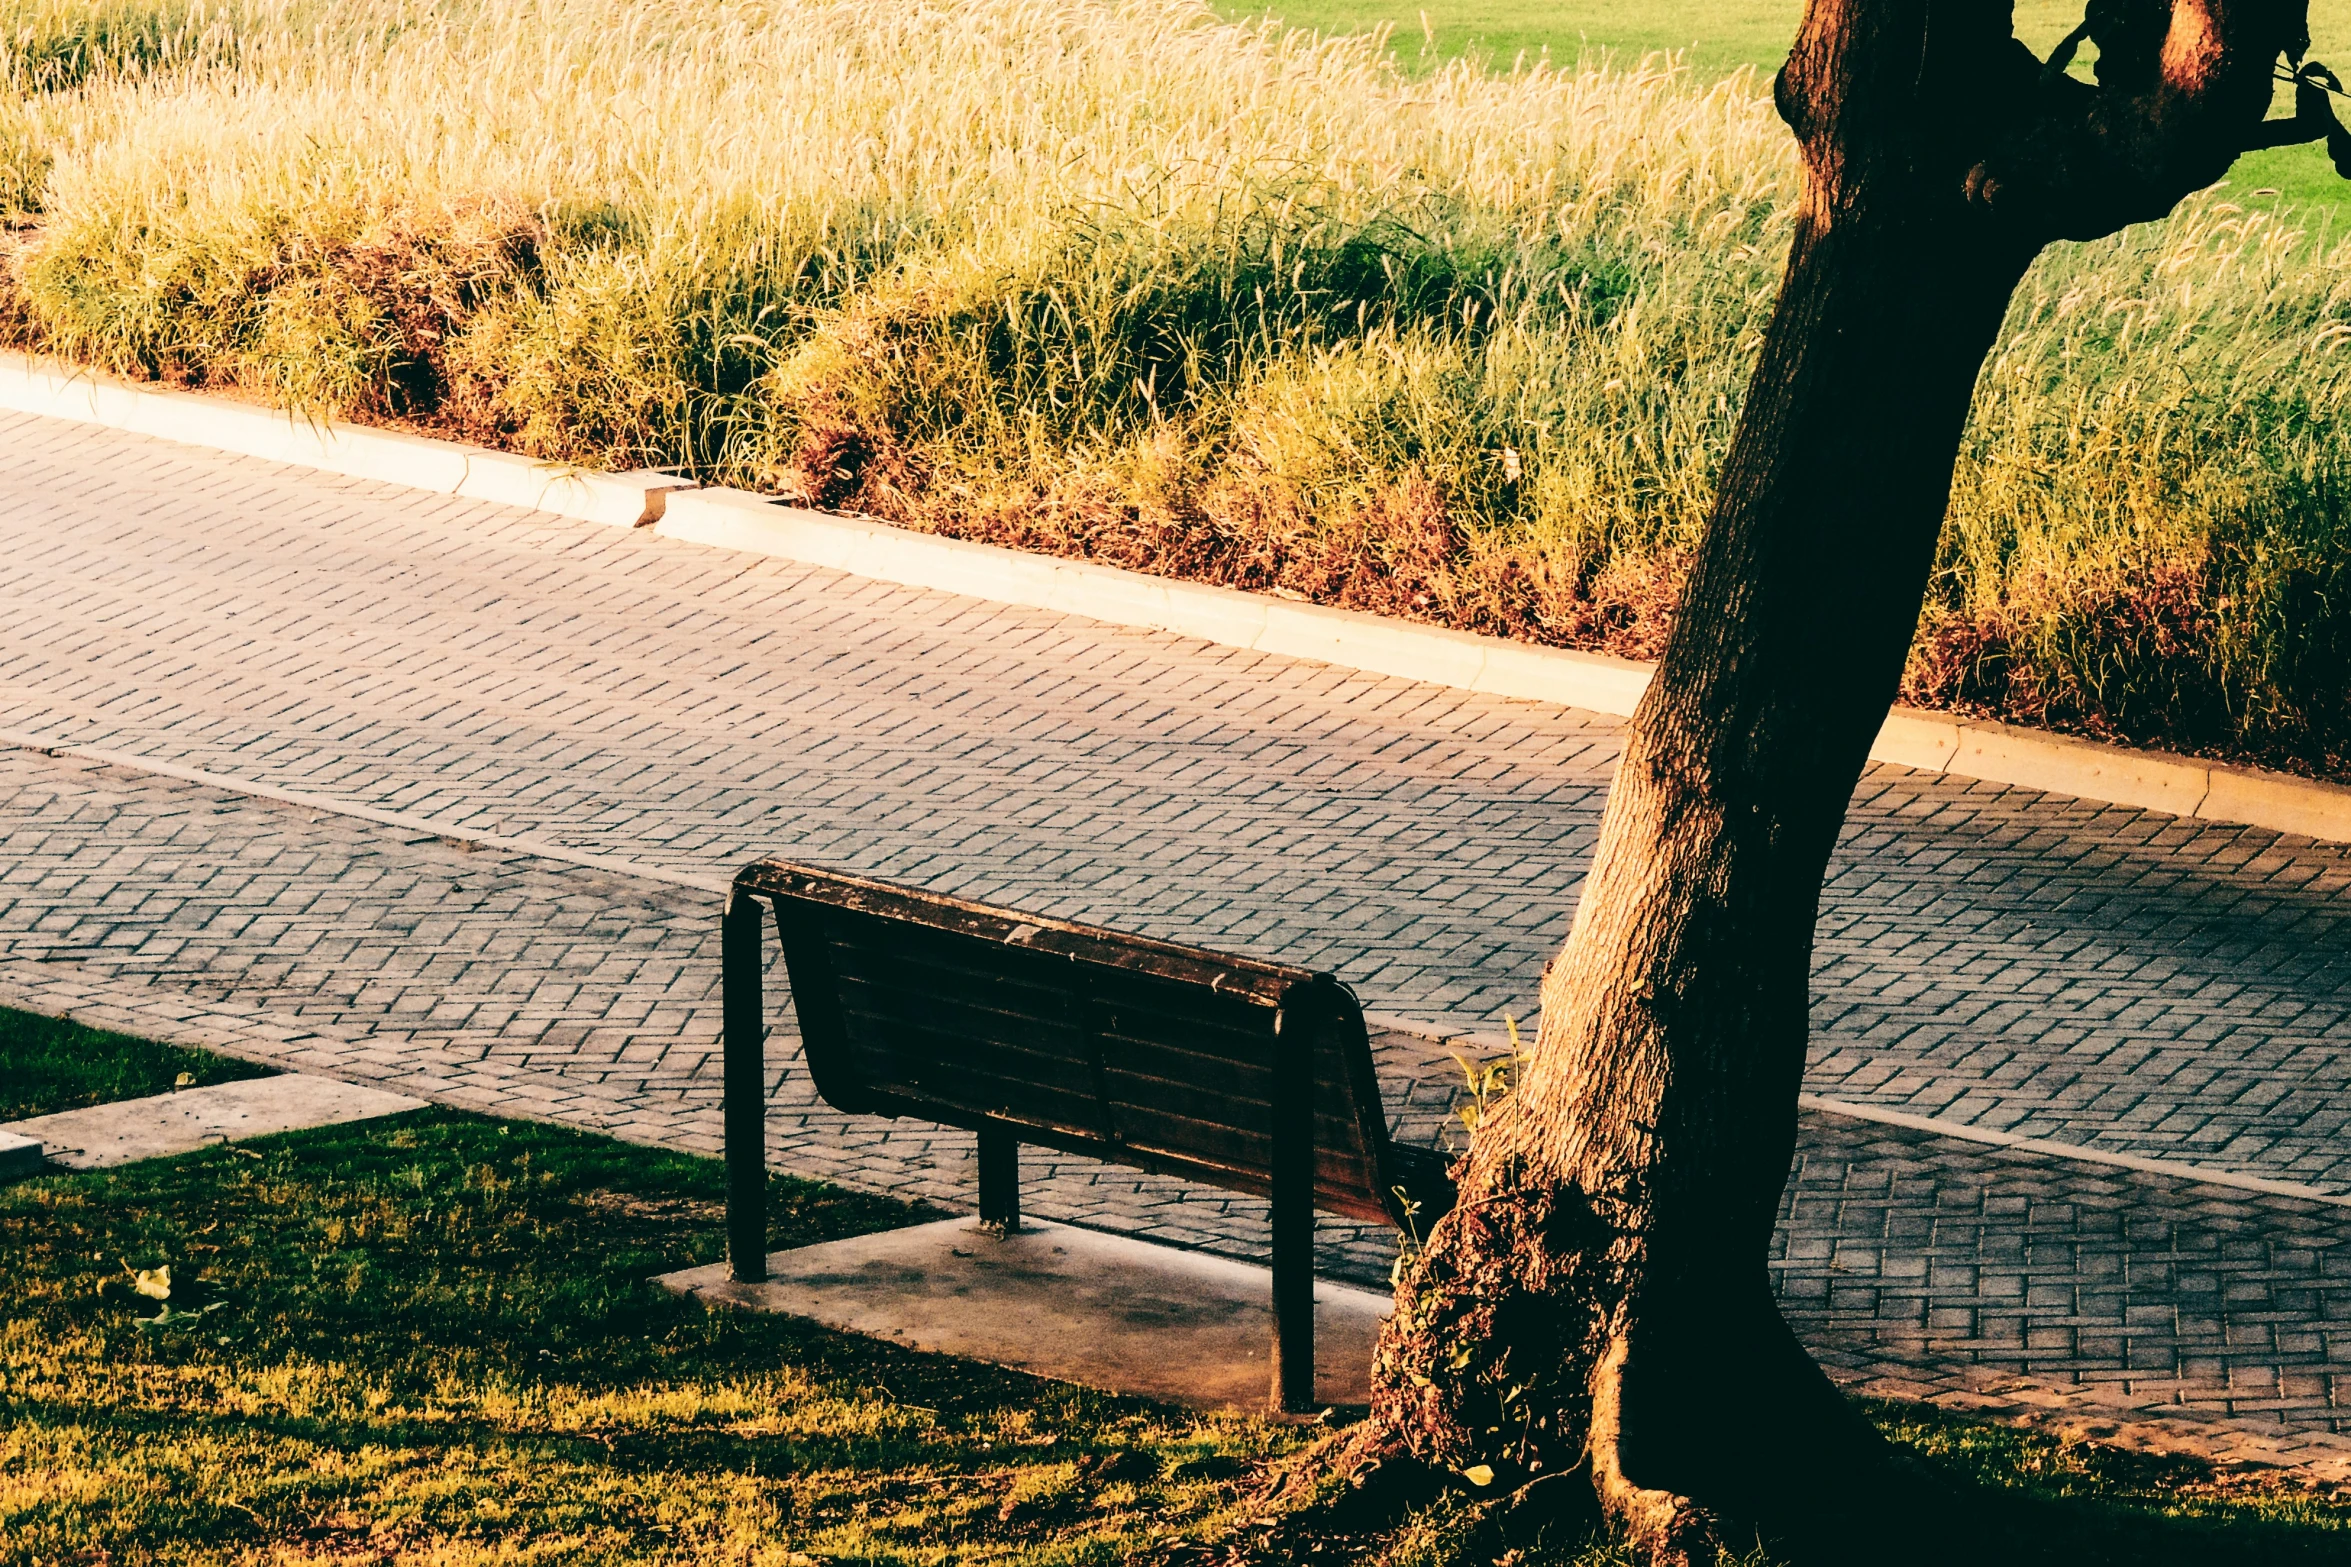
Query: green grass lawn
x,y
1719,36
430,1338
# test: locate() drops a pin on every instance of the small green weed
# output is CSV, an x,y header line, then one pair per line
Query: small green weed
x,y
1486,1082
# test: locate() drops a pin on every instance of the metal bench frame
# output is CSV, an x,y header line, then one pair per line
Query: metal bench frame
x,y
1312,1030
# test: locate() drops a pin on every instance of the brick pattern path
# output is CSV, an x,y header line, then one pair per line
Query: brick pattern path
x,y
1914,1265
2062,970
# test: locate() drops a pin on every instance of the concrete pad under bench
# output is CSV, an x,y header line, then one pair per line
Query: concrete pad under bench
x,y
1106,1311
194,1118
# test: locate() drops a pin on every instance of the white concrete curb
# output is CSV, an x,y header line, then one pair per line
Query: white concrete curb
x,y
159,1125
2177,1169
741,520
1929,742
35,386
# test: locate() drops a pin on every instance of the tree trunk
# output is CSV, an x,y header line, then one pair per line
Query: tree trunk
x,y
1600,1295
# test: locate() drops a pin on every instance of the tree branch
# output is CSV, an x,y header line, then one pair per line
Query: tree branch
x,y
2314,118
2181,92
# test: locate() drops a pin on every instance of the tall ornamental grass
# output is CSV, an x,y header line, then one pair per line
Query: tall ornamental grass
x,y
1231,302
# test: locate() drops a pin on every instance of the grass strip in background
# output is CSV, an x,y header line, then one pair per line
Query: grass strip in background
x,y
1717,37
1224,301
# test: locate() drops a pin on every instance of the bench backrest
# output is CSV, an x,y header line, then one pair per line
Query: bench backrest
x,y
1141,1052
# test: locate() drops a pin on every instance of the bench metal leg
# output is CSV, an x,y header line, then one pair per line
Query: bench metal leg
x,y
745,1021
1293,1228
999,1179
1293,1308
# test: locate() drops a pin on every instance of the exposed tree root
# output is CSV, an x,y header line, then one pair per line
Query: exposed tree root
x,y
1361,1495
1529,1372
1499,1320
1358,1497
1334,1502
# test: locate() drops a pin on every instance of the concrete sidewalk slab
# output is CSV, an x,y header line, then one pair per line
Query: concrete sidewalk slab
x,y
165,1124
1107,1311
20,1156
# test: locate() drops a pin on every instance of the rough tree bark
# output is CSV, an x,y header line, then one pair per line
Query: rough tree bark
x,y
1598,1302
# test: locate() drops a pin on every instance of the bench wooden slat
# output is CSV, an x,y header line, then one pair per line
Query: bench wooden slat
x,y
1259,981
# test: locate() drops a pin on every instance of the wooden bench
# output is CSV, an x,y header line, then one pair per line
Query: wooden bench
x,y
1250,1076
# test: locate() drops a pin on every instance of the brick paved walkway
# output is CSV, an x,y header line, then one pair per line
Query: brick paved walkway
x,y
2073,972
